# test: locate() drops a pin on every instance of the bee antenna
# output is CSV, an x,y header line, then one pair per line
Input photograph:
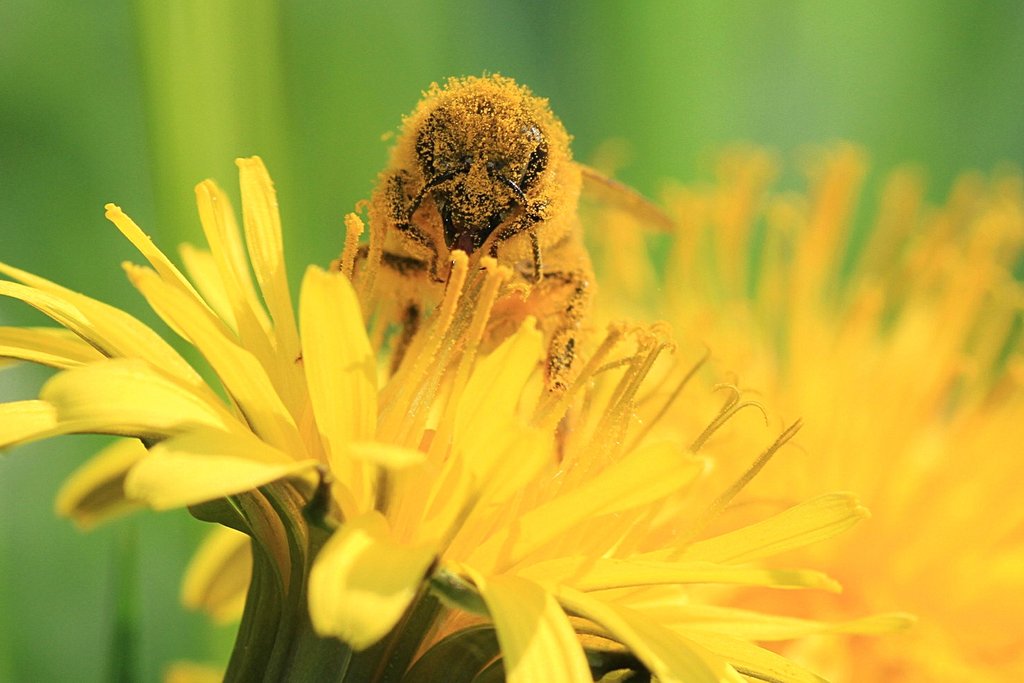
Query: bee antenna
x,y
512,186
431,184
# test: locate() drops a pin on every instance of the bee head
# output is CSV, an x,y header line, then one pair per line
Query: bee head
x,y
480,150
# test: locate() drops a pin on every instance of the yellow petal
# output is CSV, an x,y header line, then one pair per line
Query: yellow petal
x,y
129,398
22,421
750,625
340,372
517,453
492,444
642,477
593,574
242,375
753,661
494,451
515,456
492,394
217,579
94,493
206,464
52,346
201,267
537,640
112,331
228,251
809,522
254,329
141,241
669,656
266,250
388,456
363,581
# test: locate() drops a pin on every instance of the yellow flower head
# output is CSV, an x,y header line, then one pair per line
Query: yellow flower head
x,y
899,346
432,519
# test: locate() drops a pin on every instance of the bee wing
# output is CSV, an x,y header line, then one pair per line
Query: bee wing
x,y
611,191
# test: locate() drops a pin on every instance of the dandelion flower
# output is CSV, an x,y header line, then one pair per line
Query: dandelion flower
x,y
900,348
451,519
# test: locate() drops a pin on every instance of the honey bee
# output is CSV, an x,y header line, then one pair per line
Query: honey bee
x,y
483,166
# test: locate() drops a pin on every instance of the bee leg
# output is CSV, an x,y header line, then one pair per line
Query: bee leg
x,y
561,353
410,325
418,236
524,224
406,266
400,210
562,348
538,266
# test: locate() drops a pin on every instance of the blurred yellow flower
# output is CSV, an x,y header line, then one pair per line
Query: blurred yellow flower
x,y
900,347
410,524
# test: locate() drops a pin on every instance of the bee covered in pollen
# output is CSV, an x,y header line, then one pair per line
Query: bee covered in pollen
x,y
483,166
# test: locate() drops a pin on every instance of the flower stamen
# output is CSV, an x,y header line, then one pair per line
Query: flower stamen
x,y
409,381
720,503
553,406
493,277
690,374
354,228
731,406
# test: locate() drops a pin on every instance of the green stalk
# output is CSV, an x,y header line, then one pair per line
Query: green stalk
x,y
276,640
214,92
124,645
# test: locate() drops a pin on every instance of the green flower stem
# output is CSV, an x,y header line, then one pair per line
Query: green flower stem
x,y
258,630
124,654
276,640
213,91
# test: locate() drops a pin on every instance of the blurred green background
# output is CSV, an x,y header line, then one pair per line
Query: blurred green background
x,y
136,102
